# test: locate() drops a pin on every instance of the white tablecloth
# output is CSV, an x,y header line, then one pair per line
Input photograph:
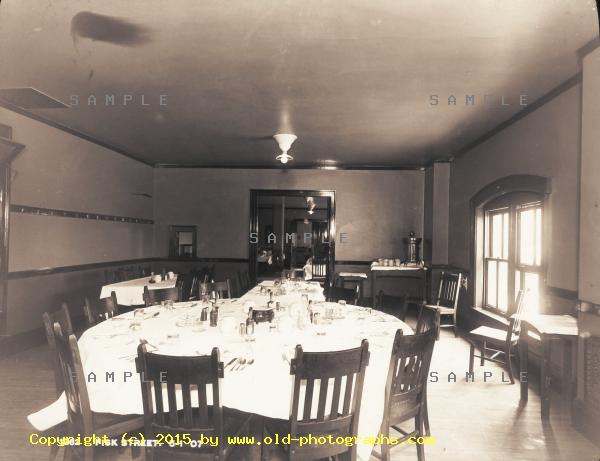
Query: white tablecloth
x,y
264,387
131,292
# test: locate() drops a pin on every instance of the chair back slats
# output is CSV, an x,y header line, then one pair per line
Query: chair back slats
x,y
188,379
308,398
347,395
202,407
449,289
172,399
152,297
408,373
186,395
324,373
221,289
73,378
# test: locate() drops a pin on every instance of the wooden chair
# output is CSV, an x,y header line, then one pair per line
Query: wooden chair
x,y
244,279
395,305
500,342
319,268
185,283
447,297
350,295
235,288
63,318
428,319
343,279
405,392
152,297
322,419
222,289
192,375
81,419
106,308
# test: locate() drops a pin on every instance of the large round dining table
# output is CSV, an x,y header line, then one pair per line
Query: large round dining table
x,y
263,384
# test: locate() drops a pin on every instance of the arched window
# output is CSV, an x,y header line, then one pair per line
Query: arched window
x,y
509,243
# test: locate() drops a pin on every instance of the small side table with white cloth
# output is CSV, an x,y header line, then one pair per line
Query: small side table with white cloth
x,y
131,292
379,271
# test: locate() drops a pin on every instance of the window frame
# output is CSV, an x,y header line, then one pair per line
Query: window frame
x,y
513,204
537,189
174,244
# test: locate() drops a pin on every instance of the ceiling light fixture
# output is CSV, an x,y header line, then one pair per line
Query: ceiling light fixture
x,y
285,142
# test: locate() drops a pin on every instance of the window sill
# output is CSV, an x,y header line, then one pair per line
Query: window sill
x,y
497,317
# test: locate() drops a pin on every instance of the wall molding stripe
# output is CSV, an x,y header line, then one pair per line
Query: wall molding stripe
x,y
14,208
549,96
15,275
359,167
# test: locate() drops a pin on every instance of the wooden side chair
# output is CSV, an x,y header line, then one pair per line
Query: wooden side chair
x,y
395,305
343,279
339,418
244,278
447,297
501,343
429,318
350,295
63,318
222,289
152,297
193,375
319,268
405,392
235,287
81,419
106,308
185,283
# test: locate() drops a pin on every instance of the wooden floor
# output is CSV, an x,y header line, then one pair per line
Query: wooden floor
x,y
469,421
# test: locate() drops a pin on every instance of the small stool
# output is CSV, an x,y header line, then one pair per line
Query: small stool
x,y
353,278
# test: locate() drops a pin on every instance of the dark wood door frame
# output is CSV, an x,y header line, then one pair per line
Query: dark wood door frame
x,y
256,193
8,152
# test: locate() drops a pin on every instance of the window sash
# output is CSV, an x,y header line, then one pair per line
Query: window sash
x,y
505,251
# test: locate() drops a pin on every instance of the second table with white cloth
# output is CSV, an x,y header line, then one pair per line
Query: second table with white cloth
x,y
131,292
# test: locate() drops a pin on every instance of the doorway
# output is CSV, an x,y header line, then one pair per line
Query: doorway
x,y
290,229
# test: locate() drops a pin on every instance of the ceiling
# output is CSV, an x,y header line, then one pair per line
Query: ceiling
x,y
352,78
